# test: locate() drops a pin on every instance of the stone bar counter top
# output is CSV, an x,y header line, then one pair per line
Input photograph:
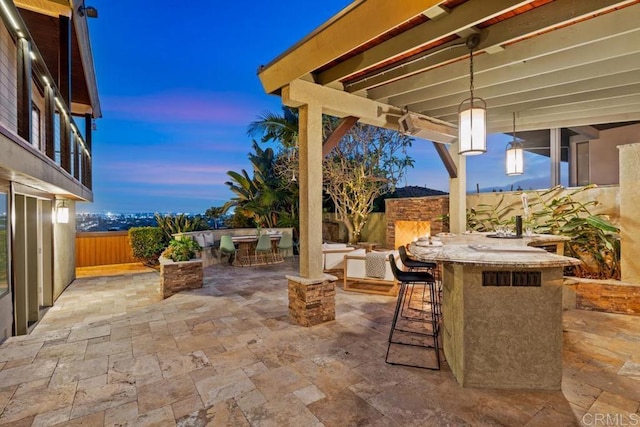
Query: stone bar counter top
x,y
501,308
478,249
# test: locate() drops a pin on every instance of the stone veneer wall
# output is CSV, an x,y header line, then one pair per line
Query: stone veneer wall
x,y
610,296
415,209
179,276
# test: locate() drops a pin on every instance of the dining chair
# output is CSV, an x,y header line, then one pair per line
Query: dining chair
x,y
263,248
227,248
285,244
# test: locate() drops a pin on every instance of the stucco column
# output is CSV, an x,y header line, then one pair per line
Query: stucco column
x,y
555,143
458,192
310,142
629,202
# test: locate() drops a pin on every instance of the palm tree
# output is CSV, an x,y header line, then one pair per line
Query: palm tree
x,y
274,127
214,213
261,197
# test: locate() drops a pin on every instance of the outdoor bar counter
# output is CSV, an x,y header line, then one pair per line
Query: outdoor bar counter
x,y
502,309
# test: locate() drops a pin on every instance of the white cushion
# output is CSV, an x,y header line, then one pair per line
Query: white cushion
x,y
208,239
200,240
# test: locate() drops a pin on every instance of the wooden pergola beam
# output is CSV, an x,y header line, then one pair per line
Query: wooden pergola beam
x,y
345,125
447,160
363,21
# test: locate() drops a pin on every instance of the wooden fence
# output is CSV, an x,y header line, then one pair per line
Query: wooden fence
x,y
103,248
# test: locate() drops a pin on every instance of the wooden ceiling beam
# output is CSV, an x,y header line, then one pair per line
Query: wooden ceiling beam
x,y
341,104
447,160
575,102
521,26
620,109
341,130
359,23
602,87
588,132
461,18
53,8
605,71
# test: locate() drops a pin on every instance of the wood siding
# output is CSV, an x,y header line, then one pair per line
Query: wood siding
x,y
103,248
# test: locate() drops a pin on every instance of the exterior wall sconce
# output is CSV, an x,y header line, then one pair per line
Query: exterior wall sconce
x,y
89,11
514,160
472,114
62,213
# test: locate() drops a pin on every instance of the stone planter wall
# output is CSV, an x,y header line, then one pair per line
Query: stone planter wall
x,y
610,296
179,276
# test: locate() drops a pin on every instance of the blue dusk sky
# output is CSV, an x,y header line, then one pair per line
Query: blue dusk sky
x,y
178,87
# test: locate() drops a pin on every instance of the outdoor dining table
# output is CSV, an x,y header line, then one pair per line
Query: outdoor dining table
x,y
501,308
246,246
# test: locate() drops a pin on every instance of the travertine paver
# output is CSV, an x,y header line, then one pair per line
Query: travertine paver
x,y
112,352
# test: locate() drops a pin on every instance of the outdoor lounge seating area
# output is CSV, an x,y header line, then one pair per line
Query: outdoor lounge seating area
x,y
111,352
238,245
370,272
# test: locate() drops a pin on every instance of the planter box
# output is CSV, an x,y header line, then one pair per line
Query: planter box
x,y
179,276
610,296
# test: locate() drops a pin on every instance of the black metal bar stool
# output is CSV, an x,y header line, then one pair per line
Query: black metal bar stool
x,y
420,326
431,267
414,264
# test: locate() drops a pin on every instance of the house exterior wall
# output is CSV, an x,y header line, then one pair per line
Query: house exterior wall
x,y
6,300
8,78
64,252
42,256
604,167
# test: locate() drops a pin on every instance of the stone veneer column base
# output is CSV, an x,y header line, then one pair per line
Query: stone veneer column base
x,y
312,301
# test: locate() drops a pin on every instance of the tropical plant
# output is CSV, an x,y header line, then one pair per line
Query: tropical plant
x,y
181,223
214,213
147,243
487,217
181,249
594,240
274,127
264,197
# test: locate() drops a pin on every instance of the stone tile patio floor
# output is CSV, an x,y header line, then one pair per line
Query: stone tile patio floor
x,y
111,353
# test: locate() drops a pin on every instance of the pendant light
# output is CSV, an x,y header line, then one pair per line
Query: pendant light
x,y
472,113
514,159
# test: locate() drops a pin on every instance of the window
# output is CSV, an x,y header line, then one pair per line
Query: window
x,y
4,244
35,126
582,164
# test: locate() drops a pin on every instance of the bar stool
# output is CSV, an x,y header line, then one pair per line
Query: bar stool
x,y
430,267
414,264
420,327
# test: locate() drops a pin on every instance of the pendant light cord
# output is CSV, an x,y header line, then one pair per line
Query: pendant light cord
x,y
471,73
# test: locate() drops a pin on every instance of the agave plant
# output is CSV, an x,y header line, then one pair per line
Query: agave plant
x,y
172,224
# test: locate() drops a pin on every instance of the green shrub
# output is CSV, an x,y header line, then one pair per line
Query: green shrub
x,y
147,243
181,249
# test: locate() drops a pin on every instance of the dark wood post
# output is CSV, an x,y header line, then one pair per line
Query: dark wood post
x,y
24,89
49,122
